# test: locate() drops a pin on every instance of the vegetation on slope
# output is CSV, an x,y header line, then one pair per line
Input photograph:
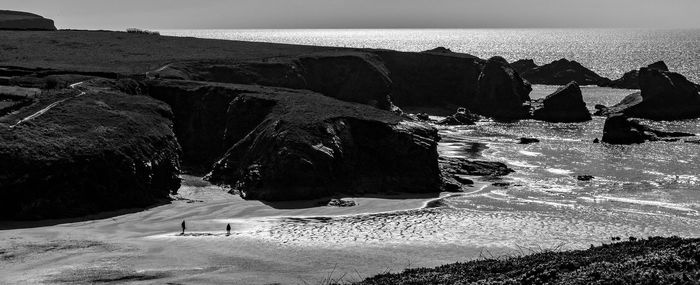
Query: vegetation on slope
x,y
655,260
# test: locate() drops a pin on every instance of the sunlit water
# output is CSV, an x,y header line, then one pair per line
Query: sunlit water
x,y
637,190
610,53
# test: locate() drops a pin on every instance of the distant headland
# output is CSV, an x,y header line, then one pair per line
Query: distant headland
x,y
16,20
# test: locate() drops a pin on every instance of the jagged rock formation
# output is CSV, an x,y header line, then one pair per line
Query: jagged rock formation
x,y
282,144
664,95
561,72
16,20
619,129
630,80
501,92
564,105
462,117
102,150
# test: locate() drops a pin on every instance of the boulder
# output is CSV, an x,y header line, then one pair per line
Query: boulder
x,y
630,80
664,95
99,151
619,129
561,72
283,144
462,117
523,65
501,92
564,105
16,20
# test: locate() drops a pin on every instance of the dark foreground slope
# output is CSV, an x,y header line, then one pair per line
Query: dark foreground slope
x,y
93,151
652,261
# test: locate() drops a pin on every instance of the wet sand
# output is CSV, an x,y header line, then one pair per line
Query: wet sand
x,y
284,242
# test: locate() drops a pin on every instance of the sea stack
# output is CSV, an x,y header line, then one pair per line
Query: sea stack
x,y
16,20
565,105
630,80
664,95
501,91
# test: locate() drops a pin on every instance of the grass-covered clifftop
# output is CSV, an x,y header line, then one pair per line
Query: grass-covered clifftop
x,y
655,260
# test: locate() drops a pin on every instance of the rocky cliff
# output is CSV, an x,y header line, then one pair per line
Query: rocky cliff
x,y
83,151
352,76
283,144
16,20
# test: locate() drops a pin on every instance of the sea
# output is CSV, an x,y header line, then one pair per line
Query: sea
x,y
637,190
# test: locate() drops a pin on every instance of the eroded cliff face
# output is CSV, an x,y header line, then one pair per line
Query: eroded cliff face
x,y
444,80
283,144
379,78
102,150
350,76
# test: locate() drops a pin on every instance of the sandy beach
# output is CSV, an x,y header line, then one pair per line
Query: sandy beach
x,y
147,246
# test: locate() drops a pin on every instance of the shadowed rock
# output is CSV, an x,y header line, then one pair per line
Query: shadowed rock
x,y
16,20
619,129
561,72
664,96
103,150
564,105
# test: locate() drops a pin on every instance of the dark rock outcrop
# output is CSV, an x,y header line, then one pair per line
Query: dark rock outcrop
x,y
528,140
456,166
103,150
561,72
438,80
564,105
619,129
351,76
283,144
438,50
523,65
664,96
16,20
462,117
630,80
501,92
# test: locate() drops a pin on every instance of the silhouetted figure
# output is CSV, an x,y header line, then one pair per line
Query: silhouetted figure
x,y
228,229
183,227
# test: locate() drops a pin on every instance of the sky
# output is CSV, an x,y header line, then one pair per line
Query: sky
x,y
243,14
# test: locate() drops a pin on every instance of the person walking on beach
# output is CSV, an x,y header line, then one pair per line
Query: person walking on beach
x,y
183,227
228,229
